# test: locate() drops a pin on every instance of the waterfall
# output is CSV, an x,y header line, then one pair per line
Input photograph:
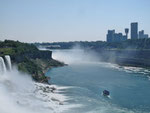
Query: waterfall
x,y
2,66
8,61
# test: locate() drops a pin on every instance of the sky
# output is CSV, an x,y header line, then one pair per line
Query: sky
x,y
70,20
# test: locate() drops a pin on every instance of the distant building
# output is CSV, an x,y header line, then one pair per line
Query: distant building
x,y
115,37
126,32
142,35
145,35
110,35
118,37
134,30
124,38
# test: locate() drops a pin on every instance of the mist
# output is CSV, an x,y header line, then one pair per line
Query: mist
x,y
20,94
76,55
14,86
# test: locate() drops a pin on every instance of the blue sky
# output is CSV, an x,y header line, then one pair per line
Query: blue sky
x,y
69,20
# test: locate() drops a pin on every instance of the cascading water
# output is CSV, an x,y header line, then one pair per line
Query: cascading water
x,y
2,66
23,95
8,61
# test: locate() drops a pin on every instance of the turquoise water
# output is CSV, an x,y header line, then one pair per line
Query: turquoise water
x,y
129,87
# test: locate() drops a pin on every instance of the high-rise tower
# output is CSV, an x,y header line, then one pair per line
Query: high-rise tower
x,y
134,30
126,32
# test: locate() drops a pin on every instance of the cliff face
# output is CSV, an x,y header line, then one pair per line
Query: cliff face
x,y
140,58
29,59
37,67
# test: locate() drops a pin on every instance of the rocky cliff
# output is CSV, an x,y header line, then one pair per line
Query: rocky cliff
x,y
129,57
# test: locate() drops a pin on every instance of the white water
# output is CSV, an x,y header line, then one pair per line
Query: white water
x,y
8,61
20,94
2,66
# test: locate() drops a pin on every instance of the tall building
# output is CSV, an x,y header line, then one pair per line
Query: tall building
x,y
110,35
126,32
134,30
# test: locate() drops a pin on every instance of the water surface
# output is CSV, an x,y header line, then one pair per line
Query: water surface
x,y
129,87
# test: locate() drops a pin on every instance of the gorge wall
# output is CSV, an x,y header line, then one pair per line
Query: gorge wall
x,y
140,58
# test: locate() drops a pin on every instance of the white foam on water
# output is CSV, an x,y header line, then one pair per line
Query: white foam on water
x,y
19,94
128,69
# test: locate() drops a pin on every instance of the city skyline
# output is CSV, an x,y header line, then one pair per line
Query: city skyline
x,y
112,36
70,20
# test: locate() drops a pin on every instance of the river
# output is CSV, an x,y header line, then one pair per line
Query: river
x,y
85,78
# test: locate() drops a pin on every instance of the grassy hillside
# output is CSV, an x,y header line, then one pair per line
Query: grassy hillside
x,y
28,58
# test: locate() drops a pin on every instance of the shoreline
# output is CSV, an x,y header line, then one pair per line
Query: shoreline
x,y
130,64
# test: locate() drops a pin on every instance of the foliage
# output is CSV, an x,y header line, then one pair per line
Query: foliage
x,y
23,55
15,47
129,44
